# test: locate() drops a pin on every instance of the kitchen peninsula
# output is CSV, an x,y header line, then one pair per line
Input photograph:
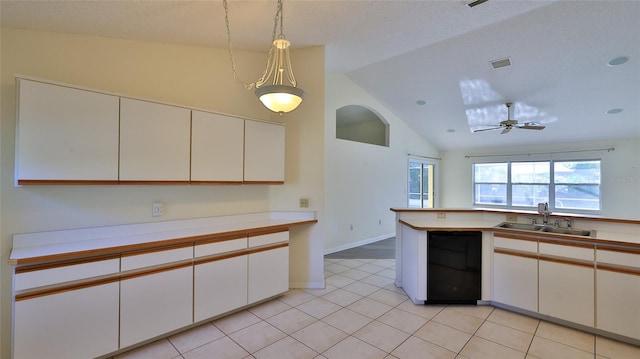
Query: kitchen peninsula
x,y
538,271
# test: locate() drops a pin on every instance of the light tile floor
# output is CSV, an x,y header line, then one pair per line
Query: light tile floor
x,y
361,314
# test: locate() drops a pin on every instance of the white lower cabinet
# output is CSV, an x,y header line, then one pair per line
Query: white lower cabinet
x,y
268,267
219,287
155,303
268,273
618,292
567,282
73,324
515,274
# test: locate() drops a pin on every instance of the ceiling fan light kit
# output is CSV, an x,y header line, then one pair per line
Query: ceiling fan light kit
x,y
509,124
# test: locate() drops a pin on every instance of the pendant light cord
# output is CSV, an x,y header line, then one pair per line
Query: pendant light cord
x,y
278,18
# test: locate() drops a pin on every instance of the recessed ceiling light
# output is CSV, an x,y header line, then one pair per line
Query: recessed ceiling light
x,y
614,111
618,61
451,130
421,102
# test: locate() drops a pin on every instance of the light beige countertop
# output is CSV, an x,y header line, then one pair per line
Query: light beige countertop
x,y
67,244
607,231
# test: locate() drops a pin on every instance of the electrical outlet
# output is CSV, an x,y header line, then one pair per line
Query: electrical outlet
x,y
157,209
512,217
304,202
442,215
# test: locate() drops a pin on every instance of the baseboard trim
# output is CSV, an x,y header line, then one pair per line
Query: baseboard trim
x,y
306,285
358,243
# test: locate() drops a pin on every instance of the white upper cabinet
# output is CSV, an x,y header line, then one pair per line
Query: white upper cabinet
x,y
263,152
154,142
217,145
65,134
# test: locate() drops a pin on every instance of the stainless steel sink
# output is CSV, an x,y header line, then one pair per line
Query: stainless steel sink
x,y
571,231
548,229
520,226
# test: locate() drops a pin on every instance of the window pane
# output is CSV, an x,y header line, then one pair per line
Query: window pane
x,y
529,195
586,197
491,194
490,172
577,172
530,172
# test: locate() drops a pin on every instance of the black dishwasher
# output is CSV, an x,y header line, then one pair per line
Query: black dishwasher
x,y
454,267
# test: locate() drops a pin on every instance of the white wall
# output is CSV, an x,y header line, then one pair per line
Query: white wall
x,y
186,75
363,181
620,186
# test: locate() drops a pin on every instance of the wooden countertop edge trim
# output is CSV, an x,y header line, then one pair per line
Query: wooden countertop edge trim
x,y
539,235
618,269
66,288
435,228
65,263
563,260
155,244
510,235
574,216
516,253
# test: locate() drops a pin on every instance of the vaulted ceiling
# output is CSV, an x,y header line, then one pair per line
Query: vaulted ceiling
x,y
429,61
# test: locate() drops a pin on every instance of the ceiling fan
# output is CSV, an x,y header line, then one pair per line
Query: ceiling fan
x,y
508,124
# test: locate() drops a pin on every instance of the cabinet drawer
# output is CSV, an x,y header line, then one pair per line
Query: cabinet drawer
x,y
42,275
223,246
618,257
574,251
516,244
149,258
266,239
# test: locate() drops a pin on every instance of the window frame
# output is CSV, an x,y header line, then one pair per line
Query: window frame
x,y
551,186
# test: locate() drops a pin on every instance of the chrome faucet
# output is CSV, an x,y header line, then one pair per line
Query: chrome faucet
x,y
543,209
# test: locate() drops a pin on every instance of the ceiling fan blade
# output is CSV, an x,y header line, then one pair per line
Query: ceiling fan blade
x,y
531,126
506,130
488,129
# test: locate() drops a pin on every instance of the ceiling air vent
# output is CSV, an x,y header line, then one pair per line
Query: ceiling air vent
x,y
496,64
476,3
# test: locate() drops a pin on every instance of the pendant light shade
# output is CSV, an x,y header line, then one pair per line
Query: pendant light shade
x,y
277,89
280,98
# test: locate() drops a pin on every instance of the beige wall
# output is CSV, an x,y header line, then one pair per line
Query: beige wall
x,y
364,181
186,75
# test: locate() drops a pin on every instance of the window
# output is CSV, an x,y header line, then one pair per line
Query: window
x,y
572,186
420,184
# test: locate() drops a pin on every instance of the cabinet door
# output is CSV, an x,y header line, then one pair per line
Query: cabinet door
x,y
155,142
217,148
268,265
65,134
618,292
515,281
220,286
78,323
154,304
263,152
567,291
515,272
567,281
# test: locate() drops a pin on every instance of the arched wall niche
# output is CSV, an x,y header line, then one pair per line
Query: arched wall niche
x,y
361,124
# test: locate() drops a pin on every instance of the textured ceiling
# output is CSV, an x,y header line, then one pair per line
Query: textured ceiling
x,y
405,51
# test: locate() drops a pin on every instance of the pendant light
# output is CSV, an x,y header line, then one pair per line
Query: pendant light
x,y
277,89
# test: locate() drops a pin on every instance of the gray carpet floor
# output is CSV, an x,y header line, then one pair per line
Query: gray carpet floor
x,y
384,249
